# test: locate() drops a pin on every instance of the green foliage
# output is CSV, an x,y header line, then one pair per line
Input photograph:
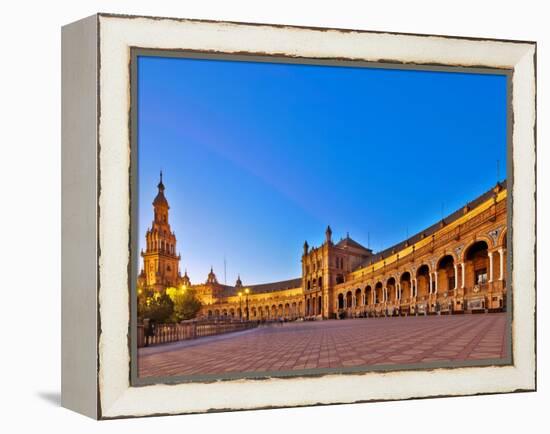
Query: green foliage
x,y
156,306
186,304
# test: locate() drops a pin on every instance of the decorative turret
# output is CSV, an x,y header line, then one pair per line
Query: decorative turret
x,y
306,247
238,283
160,203
328,234
211,277
185,281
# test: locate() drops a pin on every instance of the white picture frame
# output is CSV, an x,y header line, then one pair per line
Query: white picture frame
x,y
96,85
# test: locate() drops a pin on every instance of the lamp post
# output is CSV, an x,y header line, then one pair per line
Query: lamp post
x,y
247,291
240,305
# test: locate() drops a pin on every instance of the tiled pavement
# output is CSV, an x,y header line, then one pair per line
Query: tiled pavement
x,y
333,344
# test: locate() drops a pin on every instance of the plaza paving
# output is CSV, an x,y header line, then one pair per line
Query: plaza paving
x,y
333,344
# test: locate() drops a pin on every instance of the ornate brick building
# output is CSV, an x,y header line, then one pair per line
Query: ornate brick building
x,y
457,265
160,261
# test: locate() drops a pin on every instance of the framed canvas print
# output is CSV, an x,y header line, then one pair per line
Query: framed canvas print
x,y
261,216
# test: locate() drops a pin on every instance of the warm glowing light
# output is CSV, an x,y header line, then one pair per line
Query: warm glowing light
x,y
240,294
247,290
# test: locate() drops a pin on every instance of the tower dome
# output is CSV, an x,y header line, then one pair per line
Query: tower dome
x,y
211,277
238,283
160,199
185,280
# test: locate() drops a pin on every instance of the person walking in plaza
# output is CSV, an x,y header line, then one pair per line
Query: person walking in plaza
x,y
149,327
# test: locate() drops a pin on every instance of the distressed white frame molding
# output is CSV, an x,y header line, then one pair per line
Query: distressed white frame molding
x,y
96,92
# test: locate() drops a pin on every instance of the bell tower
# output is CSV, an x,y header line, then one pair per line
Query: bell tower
x,y
160,261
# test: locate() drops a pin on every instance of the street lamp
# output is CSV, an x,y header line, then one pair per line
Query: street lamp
x,y
240,305
247,291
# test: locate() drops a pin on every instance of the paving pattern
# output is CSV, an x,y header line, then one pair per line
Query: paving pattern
x,y
333,344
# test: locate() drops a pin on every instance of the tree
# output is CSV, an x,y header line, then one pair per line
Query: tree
x,y
154,305
186,303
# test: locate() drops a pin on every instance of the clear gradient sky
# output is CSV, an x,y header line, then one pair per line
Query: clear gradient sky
x,y
258,157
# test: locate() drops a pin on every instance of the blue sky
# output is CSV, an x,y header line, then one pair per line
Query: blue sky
x,y
258,157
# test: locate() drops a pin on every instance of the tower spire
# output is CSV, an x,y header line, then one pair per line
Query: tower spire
x,y
160,184
328,234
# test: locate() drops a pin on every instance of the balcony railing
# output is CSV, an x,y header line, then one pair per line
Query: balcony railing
x,y
165,333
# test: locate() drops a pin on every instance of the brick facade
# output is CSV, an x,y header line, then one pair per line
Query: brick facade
x,y
457,265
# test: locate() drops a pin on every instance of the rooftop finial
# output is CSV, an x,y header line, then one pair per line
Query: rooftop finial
x,y
328,234
160,185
